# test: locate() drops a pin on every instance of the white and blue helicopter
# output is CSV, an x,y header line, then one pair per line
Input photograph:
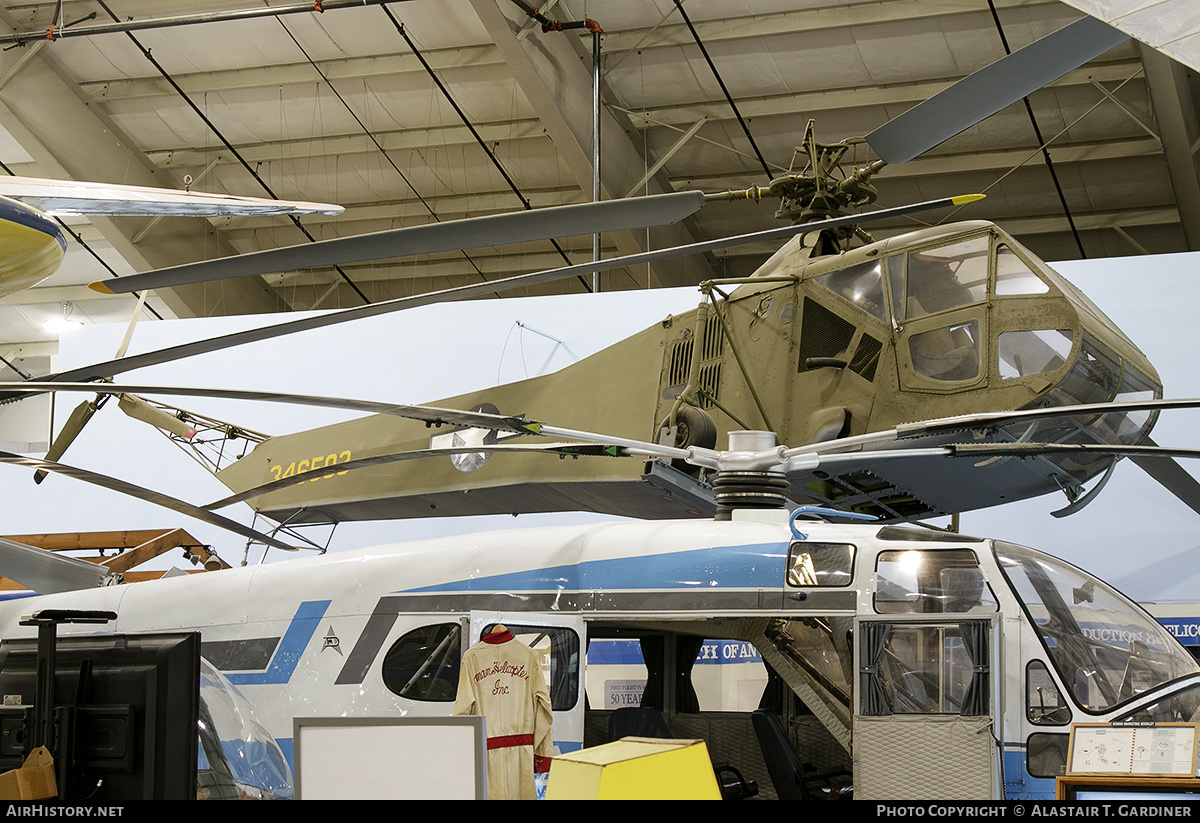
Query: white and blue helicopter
x,y
972,655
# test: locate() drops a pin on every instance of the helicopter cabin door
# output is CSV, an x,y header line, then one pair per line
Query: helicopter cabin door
x,y
560,640
843,329
925,708
938,297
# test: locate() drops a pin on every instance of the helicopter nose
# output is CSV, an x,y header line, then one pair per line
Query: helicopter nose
x,y
1098,374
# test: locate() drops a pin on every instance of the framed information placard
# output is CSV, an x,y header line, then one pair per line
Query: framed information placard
x,y
395,758
1150,749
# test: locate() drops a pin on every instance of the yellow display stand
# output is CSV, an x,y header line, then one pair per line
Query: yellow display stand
x,y
635,768
33,781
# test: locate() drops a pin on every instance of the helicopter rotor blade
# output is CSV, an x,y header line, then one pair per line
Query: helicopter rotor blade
x,y
108,369
80,416
62,198
70,430
430,415
157,498
519,424
471,233
1171,476
50,572
602,445
846,451
992,88
992,420
1031,449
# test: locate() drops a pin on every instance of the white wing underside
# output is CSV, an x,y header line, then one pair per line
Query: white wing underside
x,y
70,197
1171,26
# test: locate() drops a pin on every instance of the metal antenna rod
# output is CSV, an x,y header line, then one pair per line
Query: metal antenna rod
x,y
596,149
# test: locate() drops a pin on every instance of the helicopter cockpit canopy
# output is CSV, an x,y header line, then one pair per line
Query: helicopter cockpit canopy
x,y
1106,650
971,309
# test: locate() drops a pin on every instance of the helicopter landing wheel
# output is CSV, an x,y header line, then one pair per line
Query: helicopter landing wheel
x,y
694,427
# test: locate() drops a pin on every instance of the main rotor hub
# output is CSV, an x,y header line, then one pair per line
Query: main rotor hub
x,y
749,489
817,186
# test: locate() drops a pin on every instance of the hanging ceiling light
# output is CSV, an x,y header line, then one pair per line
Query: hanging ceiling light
x,y
57,325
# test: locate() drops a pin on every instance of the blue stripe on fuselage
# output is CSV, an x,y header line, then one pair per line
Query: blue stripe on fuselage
x,y
17,595
718,567
291,647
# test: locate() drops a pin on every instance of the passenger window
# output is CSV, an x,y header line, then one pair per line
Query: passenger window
x,y
1044,705
820,648
707,675
931,582
926,669
423,664
616,673
559,649
820,564
728,676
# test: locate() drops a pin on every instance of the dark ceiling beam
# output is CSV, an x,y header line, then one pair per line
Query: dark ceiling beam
x,y
1174,100
87,28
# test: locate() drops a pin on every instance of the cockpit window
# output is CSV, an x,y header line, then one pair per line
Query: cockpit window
x,y
1131,428
1023,353
945,581
1014,277
1097,375
1182,706
862,285
1093,378
946,277
949,354
1044,706
1106,650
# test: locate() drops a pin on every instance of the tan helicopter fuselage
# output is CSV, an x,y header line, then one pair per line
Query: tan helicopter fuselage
x,y
935,323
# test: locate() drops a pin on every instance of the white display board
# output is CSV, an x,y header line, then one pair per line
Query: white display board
x,y
395,758
1162,748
